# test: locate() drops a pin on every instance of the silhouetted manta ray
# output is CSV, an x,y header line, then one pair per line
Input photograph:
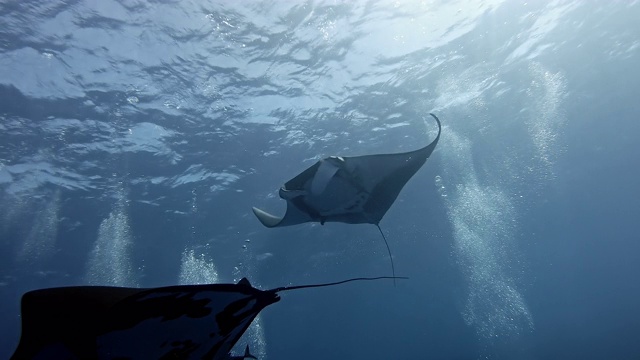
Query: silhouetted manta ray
x,y
174,322
353,190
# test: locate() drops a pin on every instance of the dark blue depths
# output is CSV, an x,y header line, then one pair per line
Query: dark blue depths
x,y
136,137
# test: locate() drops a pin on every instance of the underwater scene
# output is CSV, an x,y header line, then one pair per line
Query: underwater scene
x,y
460,178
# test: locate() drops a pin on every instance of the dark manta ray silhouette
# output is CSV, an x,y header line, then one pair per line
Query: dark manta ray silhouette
x,y
174,322
353,190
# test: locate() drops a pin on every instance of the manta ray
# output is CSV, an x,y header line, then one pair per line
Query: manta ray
x,y
353,190
174,322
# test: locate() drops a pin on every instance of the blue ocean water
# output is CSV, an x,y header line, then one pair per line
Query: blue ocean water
x,y
136,135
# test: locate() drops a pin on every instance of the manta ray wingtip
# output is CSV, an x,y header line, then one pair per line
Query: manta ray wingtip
x,y
435,117
265,218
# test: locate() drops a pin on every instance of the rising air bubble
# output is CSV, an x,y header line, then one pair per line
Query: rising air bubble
x,y
440,186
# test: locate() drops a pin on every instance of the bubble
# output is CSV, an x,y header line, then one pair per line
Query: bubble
x,y
483,219
442,190
39,243
109,262
195,270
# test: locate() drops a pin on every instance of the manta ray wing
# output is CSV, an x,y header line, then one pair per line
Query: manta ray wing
x,y
353,190
87,322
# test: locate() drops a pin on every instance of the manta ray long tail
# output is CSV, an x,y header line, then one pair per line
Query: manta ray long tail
x,y
393,269
286,288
